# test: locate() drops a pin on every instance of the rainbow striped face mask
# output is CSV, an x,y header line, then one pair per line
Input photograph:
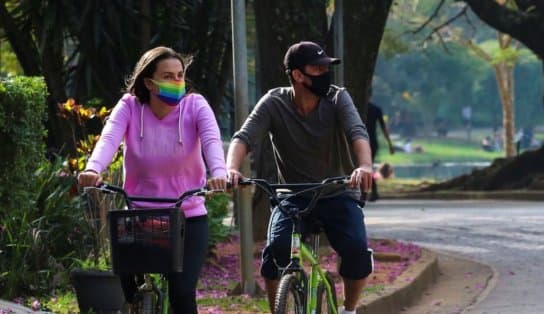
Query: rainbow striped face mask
x,y
171,92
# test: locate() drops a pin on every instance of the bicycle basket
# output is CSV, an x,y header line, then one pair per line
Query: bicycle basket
x,y
146,240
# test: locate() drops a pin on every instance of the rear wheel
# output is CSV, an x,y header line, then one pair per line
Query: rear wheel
x,y
289,298
148,303
323,305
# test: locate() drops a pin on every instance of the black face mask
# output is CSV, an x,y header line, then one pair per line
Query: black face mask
x,y
320,83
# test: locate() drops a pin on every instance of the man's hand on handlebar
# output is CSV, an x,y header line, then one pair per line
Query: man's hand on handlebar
x,y
234,177
361,177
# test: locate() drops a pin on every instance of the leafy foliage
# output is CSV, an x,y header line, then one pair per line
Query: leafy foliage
x,y
22,112
42,241
217,207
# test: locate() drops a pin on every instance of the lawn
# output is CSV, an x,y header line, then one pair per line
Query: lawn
x,y
437,150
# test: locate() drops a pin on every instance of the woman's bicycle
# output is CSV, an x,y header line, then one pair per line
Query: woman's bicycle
x,y
148,243
300,291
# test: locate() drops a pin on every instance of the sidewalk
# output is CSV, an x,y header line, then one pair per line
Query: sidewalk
x,y
14,308
438,283
469,195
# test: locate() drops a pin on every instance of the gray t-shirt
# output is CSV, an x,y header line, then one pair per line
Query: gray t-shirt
x,y
306,148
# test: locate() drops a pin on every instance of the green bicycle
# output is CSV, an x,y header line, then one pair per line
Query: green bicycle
x,y
300,291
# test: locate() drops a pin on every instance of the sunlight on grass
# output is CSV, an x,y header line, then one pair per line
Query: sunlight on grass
x,y
396,185
373,289
438,150
237,303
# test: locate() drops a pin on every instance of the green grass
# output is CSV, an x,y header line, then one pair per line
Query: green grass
x,y
397,185
375,289
443,150
237,303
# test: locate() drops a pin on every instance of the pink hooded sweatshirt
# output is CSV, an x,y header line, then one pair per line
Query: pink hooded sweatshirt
x,y
163,157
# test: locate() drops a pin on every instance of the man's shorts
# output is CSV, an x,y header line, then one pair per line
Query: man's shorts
x,y
342,220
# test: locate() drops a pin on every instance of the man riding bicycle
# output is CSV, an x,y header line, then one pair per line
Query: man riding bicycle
x,y
312,125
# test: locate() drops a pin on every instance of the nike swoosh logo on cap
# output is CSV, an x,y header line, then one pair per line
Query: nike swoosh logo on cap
x,y
320,52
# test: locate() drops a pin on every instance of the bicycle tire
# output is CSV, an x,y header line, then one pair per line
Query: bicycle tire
x,y
148,303
290,297
323,305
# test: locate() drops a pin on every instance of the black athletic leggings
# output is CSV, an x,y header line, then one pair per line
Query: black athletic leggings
x,y
182,286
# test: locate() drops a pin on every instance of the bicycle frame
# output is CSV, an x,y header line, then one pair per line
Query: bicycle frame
x,y
300,252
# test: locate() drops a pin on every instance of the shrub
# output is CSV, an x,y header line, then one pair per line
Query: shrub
x,y
43,241
22,149
217,207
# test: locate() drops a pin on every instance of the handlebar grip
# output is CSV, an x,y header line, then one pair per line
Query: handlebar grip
x,y
109,188
245,181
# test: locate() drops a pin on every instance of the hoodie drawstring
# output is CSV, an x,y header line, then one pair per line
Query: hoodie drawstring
x,y
179,125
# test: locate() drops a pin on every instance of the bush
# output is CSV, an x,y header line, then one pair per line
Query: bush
x,y
217,207
42,242
22,149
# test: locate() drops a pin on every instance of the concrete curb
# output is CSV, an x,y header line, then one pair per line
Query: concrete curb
x,y
473,195
406,288
490,285
14,308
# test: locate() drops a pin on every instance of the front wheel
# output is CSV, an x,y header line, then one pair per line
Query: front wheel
x,y
148,303
289,298
323,305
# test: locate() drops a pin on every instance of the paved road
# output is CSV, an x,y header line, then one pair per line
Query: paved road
x,y
508,235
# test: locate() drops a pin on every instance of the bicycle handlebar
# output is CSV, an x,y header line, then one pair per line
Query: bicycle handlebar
x,y
296,188
114,189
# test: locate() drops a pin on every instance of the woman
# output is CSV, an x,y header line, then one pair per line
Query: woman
x,y
166,132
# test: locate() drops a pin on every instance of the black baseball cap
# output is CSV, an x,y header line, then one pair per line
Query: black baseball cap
x,y
304,53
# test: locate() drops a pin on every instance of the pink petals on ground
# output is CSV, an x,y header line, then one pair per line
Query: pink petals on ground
x,y
221,273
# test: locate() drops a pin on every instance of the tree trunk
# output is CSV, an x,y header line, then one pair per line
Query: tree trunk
x,y
504,72
364,23
21,42
504,75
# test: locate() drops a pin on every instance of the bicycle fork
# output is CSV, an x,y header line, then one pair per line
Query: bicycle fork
x,y
154,299
317,277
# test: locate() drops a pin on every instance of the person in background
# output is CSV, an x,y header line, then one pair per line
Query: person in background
x,y
385,171
373,118
313,127
169,137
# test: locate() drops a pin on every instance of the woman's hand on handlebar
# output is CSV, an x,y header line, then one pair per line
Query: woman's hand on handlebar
x,y
217,183
89,178
361,177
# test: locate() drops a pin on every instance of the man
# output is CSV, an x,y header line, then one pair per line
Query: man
x,y
308,124
374,117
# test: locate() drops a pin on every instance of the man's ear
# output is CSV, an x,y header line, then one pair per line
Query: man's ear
x,y
297,75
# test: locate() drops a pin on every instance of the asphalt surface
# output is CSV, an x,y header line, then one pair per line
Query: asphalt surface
x,y
509,235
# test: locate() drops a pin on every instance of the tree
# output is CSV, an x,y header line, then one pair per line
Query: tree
x,y
525,24
365,21
86,49
503,65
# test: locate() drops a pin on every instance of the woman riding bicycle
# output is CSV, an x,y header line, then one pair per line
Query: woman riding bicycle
x,y
165,131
